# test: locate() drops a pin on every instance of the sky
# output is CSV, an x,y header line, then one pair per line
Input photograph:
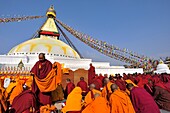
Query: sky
x,y
142,26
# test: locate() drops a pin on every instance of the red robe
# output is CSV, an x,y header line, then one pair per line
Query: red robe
x,y
83,85
162,98
24,101
91,74
41,70
101,77
98,83
142,101
121,84
70,86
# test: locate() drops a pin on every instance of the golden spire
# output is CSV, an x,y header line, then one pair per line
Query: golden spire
x,y
51,12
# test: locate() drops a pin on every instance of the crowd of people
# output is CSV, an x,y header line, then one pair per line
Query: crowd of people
x,y
137,93
130,93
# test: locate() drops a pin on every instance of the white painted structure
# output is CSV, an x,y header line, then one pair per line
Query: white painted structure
x,y
162,68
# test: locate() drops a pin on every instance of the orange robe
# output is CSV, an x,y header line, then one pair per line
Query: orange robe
x,y
47,109
120,102
51,81
106,92
90,96
16,91
99,105
3,103
73,102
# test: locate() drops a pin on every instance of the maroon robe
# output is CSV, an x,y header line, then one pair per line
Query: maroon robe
x,y
70,86
83,85
98,83
41,70
142,101
24,101
162,98
121,84
158,82
142,82
149,88
125,77
91,74
101,77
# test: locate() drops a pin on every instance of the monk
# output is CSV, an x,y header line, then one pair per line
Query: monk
x,y
90,95
16,90
106,92
99,105
142,100
70,86
120,101
101,77
25,102
57,94
121,83
73,102
91,74
3,102
149,87
83,85
97,82
162,98
41,70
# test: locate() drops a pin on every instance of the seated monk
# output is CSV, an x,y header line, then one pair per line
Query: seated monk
x,y
162,97
83,85
98,83
3,103
73,102
58,94
69,87
120,101
127,82
142,101
99,105
121,83
25,102
106,92
16,91
90,95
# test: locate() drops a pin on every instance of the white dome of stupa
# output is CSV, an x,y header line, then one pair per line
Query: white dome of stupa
x,y
46,45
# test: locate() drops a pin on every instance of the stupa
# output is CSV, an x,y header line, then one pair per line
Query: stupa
x,y
162,68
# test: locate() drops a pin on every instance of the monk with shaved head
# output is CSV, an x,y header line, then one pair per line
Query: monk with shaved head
x,y
106,92
98,105
120,101
142,101
90,95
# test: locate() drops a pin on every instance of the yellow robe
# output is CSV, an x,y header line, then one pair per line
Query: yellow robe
x,y
88,99
120,102
99,105
73,102
106,93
